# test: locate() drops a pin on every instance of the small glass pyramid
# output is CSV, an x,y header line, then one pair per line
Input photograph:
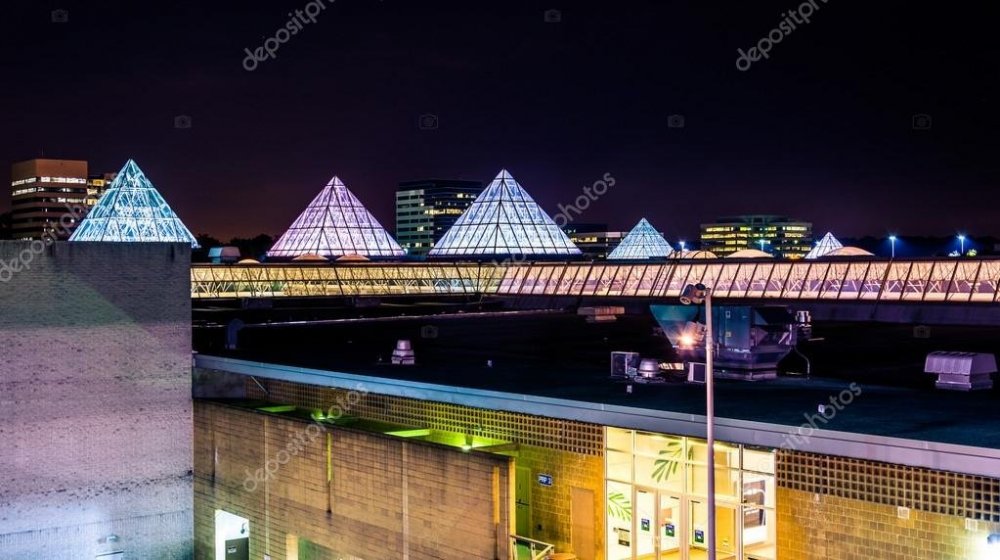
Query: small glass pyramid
x,y
827,244
504,220
132,211
643,242
333,225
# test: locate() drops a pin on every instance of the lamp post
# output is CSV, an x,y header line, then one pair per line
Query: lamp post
x,y
892,242
696,294
682,245
961,241
762,242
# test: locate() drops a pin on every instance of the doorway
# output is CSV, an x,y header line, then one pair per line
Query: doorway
x,y
522,501
232,536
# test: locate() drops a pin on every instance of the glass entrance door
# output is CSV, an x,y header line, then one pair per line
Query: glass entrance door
x,y
726,530
669,520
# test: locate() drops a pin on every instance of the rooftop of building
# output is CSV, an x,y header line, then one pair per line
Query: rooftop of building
x,y
560,355
445,183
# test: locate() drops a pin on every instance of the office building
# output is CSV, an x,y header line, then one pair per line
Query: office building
x,y
593,239
781,236
50,196
426,209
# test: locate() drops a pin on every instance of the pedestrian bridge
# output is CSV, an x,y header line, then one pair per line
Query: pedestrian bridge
x,y
949,280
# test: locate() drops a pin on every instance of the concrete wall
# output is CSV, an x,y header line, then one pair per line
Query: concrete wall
x,y
95,405
354,494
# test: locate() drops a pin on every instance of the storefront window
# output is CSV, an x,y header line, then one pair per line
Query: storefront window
x,y
657,506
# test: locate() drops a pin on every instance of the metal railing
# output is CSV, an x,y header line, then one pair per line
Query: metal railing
x,y
537,550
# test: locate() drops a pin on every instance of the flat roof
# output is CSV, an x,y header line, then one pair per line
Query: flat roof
x,y
560,356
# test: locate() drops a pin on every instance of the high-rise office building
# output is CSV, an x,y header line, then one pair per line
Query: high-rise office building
x,y
50,196
426,209
781,236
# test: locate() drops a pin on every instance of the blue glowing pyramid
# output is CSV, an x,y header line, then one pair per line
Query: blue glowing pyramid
x,y
504,220
132,211
643,242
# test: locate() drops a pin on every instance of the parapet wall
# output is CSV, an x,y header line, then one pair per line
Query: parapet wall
x,y
95,400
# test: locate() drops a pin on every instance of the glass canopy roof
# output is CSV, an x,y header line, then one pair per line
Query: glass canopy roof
x,y
826,245
504,220
335,224
132,210
643,242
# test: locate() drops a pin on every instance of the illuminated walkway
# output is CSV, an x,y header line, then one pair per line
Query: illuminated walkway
x,y
865,279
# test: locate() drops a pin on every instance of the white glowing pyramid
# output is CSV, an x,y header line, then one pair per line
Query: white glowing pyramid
x,y
504,220
333,225
132,210
827,244
643,242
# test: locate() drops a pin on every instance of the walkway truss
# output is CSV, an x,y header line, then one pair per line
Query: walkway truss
x,y
943,280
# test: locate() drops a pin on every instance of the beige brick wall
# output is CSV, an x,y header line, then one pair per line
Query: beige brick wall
x,y
838,507
572,452
385,498
815,526
95,400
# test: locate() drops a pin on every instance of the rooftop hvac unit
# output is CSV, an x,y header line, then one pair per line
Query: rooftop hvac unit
x,y
403,354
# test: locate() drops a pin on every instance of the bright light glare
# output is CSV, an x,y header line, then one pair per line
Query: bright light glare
x,y
686,341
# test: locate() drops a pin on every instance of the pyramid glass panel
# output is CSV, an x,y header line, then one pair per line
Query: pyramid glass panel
x,y
643,242
333,225
825,246
504,220
132,210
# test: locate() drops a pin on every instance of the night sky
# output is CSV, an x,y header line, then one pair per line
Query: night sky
x,y
821,130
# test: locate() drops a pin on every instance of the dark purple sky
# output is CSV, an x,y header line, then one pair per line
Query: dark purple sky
x,y
821,130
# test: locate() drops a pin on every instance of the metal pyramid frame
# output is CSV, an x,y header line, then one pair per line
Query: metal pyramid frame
x,y
333,225
504,220
132,211
642,242
826,245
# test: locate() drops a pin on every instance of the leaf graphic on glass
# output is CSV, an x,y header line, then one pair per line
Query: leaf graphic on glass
x,y
670,460
619,506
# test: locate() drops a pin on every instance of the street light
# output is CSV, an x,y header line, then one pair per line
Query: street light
x,y
892,240
695,294
682,245
762,242
961,241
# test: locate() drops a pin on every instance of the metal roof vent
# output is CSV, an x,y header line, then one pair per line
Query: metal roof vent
x,y
403,354
648,368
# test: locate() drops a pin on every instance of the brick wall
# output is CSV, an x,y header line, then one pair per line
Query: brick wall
x,y
95,406
357,494
572,452
838,507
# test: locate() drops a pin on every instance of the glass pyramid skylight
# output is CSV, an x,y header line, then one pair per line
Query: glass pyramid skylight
x,y
504,220
335,224
643,242
827,244
132,210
